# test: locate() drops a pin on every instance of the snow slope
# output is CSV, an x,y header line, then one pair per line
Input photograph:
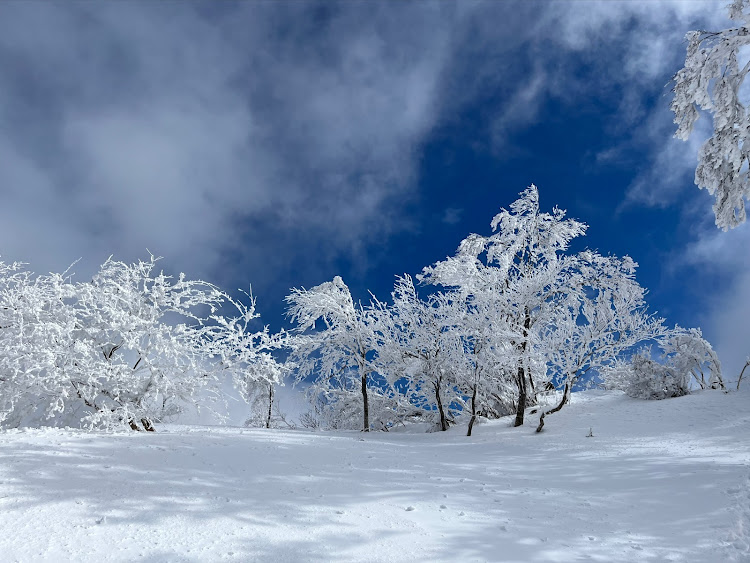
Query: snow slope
x,y
658,481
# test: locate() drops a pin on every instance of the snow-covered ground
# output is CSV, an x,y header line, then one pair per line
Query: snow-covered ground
x,y
658,481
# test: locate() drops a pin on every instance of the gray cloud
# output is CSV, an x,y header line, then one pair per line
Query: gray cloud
x,y
198,131
227,135
724,257
728,326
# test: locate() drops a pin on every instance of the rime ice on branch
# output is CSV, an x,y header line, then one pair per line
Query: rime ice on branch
x,y
713,80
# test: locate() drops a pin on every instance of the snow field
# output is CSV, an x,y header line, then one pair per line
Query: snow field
x,y
658,481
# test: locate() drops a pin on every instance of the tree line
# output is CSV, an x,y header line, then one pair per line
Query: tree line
x,y
508,319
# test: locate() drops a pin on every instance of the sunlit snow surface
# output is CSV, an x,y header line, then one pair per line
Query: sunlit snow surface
x,y
658,481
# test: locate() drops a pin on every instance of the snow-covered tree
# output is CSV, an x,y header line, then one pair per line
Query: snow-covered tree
x,y
337,355
713,80
423,350
125,349
604,317
246,355
37,327
265,410
142,339
521,269
537,312
489,380
692,354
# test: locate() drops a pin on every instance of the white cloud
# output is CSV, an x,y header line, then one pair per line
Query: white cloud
x,y
670,173
729,320
725,258
521,109
721,251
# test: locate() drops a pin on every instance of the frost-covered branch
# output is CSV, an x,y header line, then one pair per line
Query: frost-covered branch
x,y
712,81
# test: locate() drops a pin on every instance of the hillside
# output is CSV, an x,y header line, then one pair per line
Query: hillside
x,y
658,481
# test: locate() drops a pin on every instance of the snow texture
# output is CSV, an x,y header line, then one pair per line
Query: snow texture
x,y
657,481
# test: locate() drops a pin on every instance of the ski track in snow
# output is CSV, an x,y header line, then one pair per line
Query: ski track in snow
x,y
658,481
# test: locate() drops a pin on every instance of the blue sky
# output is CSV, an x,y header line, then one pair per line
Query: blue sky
x,y
280,144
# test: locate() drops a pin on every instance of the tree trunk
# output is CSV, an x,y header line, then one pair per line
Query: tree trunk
x,y
521,408
443,421
741,374
365,405
147,426
721,382
473,409
270,404
563,402
521,376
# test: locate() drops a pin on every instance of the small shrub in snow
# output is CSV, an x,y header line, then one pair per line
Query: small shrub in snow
x,y
686,357
644,378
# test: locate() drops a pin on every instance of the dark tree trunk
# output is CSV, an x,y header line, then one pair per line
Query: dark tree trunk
x,y
741,374
443,420
473,409
560,405
365,405
522,375
521,408
147,426
475,387
270,404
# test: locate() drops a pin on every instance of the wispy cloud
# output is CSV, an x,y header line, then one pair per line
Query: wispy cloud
x,y
452,215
